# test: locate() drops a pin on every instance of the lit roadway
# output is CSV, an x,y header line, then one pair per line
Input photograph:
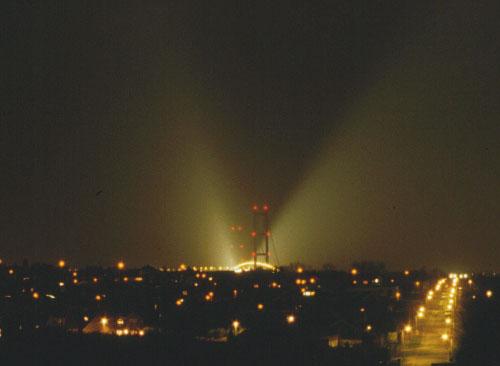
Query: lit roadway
x,y
430,336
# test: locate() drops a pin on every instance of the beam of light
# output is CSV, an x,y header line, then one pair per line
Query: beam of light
x,y
378,176
205,199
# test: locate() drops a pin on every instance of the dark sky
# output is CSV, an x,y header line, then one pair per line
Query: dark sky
x,y
144,131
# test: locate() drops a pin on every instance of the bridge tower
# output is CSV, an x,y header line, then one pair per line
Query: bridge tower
x,y
260,232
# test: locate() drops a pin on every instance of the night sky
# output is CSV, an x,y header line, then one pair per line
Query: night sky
x,y
144,132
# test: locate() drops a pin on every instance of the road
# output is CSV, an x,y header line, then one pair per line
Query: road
x,y
430,339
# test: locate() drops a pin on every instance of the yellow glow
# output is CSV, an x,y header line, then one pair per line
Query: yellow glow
x,y
61,263
354,271
246,266
421,309
312,280
98,297
120,265
300,270
36,295
489,293
85,318
420,315
260,306
447,320
179,302
445,337
398,295
104,321
126,331
75,281
61,284
290,319
95,279
362,310
408,328
120,321
119,332
11,271
75,274
369,328
235,324
309,293
417,283
406,273
138,279
141,333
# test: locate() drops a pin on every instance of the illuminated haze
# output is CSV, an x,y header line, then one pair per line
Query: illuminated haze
x,y
144,133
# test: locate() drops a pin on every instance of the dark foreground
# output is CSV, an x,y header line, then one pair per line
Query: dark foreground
x,y
104,350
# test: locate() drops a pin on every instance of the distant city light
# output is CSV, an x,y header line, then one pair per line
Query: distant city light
x,y
120,265
290,319
236,325
61,263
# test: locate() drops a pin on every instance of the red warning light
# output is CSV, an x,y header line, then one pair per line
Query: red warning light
x,y
253,254
254,234
265,207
